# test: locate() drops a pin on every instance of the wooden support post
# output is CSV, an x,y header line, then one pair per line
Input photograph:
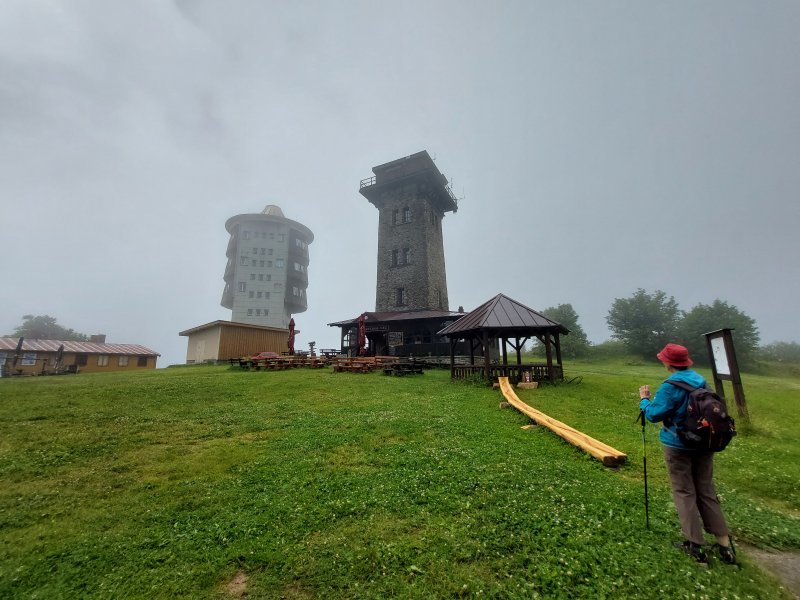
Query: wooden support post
x,y
548,348
486,360
452,358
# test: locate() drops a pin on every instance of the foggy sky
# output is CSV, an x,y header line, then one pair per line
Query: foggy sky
x,y
598,147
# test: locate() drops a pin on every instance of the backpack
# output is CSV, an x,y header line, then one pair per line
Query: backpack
x,y
707,425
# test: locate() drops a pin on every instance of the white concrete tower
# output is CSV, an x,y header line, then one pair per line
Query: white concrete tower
x,y
267,272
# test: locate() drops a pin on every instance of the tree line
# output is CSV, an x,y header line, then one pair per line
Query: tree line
x,y
644,322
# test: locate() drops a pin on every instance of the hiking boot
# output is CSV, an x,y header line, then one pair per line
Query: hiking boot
x,y
726,554
694,550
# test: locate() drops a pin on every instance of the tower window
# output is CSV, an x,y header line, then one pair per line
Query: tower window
x,y
407,215
395,254
395,217
242,286
243,260
400,296
279,263
247,235
406,256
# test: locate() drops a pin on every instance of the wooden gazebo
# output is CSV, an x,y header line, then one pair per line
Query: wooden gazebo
x,y
506,321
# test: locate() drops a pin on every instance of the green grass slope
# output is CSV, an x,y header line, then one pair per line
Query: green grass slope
x,y
318,485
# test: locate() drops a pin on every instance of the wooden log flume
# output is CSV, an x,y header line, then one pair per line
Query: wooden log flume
x,y
609,456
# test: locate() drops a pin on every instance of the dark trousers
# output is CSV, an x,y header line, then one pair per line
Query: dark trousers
x,y
692,477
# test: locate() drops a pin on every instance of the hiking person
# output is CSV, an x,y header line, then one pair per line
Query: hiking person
x,y
690,470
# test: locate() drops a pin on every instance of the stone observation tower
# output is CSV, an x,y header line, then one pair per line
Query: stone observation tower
x,y
412,197
267,272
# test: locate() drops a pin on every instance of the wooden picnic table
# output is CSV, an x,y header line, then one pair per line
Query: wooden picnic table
x,y
403,368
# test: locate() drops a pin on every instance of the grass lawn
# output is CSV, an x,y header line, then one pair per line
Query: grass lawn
x,y
308,484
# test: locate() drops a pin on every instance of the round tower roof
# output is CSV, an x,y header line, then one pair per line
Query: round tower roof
x,y
273,211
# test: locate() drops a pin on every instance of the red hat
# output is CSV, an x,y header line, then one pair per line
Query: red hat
x,y
675,355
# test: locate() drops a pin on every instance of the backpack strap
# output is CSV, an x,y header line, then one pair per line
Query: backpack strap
x,y
685,387
682,384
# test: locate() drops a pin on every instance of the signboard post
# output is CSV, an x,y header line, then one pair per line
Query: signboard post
x,y
724,366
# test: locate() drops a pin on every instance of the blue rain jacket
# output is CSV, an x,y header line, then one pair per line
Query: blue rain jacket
x,y
670,403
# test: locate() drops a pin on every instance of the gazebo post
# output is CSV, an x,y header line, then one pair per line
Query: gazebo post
x,y
558,352
519,352
472,351
486,361
549,352
504,341
452,358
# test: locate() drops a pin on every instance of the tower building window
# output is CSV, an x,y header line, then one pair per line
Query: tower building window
x,y
395,254
400,296
406,256
242,286
407,215
395,217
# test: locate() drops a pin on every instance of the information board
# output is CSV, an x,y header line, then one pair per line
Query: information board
x,y
720,356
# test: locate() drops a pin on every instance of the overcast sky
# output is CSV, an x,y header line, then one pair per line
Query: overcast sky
x,y
598,147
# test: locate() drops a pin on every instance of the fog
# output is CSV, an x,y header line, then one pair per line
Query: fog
x,y
597,148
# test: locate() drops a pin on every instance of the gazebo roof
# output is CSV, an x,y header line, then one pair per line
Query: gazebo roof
x,y
502,313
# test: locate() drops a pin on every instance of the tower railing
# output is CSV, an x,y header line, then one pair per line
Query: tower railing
x,y
370,181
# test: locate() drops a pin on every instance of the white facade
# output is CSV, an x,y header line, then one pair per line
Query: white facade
x,y
266,277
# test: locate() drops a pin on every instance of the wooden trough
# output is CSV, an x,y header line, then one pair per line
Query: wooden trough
x,y
609,456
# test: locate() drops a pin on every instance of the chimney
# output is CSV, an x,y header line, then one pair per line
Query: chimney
x,y
98,338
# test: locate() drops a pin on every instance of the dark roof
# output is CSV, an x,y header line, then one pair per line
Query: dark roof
x,y
407,315
78,347
501,312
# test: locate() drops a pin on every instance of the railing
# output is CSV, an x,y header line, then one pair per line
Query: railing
x,y
367,182
515,373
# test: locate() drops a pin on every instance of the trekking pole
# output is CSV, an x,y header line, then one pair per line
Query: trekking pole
x,y
644,462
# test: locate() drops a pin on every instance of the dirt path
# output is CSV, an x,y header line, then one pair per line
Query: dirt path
x,y
784,565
